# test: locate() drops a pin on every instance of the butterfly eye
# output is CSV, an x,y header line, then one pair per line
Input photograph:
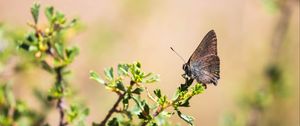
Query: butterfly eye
x,y
185,67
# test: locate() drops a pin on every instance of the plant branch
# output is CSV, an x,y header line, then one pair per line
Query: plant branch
x,y
112,110
60,102
160,108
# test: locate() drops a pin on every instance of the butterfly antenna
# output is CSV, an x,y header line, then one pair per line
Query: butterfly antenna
x,y
178,54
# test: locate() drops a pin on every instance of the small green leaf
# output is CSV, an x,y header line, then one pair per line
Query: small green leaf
x,y
109,73
113,122
47,67
138,64
96,77
77,114
144,113
33,49
35,12
56,92
162,100
24,46
72,23
125,102
157,92
120,86
188,119
185,102
59,48
31,38
9,95
60,17
71,53
137,91
198,88
151,78
123,69
152,124
49,13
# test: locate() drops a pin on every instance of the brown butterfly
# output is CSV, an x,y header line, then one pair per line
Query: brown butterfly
x,y
204,64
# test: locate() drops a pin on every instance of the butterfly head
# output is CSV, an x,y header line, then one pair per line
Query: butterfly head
x,y
187,69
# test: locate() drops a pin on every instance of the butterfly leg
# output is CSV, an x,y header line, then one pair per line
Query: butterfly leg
x,y
185,76
205,86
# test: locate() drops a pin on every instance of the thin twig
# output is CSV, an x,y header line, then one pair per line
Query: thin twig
x,y
161,108
112,110
61,112
60,102
149,95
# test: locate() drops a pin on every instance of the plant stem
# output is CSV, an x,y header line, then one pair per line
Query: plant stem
x,y
61,112
60,102
112,110
160,108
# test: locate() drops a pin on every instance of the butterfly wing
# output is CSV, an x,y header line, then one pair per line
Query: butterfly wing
x,y
207,46
204,63
206,70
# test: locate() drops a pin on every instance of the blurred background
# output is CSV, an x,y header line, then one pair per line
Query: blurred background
x,y
258,44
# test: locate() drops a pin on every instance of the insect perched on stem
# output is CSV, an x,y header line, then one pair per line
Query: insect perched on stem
x,y
204,63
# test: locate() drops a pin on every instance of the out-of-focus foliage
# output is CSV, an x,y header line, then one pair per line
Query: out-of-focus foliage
x,y
16,112
49,48
272,5
266,97
149,114
13,111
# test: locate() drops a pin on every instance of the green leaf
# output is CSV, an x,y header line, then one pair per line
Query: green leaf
x,y
47,67
138,64
125,101
198,88
77,114
33,49
162,100
120,86
144,114
24,46
71,53
35,12
109,73
96,77
123,69
31,38
137,91
185,102
188,119
72,23
186,85
60,17
59,48
157,92
151,78
9,95
49,11
152,124
58,91
113,122
146,107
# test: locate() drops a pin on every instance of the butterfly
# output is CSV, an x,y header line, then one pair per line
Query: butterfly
x,y
204,63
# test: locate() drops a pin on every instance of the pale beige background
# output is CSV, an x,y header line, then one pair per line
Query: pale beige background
x,y
128,30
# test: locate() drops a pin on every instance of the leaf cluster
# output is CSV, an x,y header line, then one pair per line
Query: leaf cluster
x,y
16,112
149,114
48,48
